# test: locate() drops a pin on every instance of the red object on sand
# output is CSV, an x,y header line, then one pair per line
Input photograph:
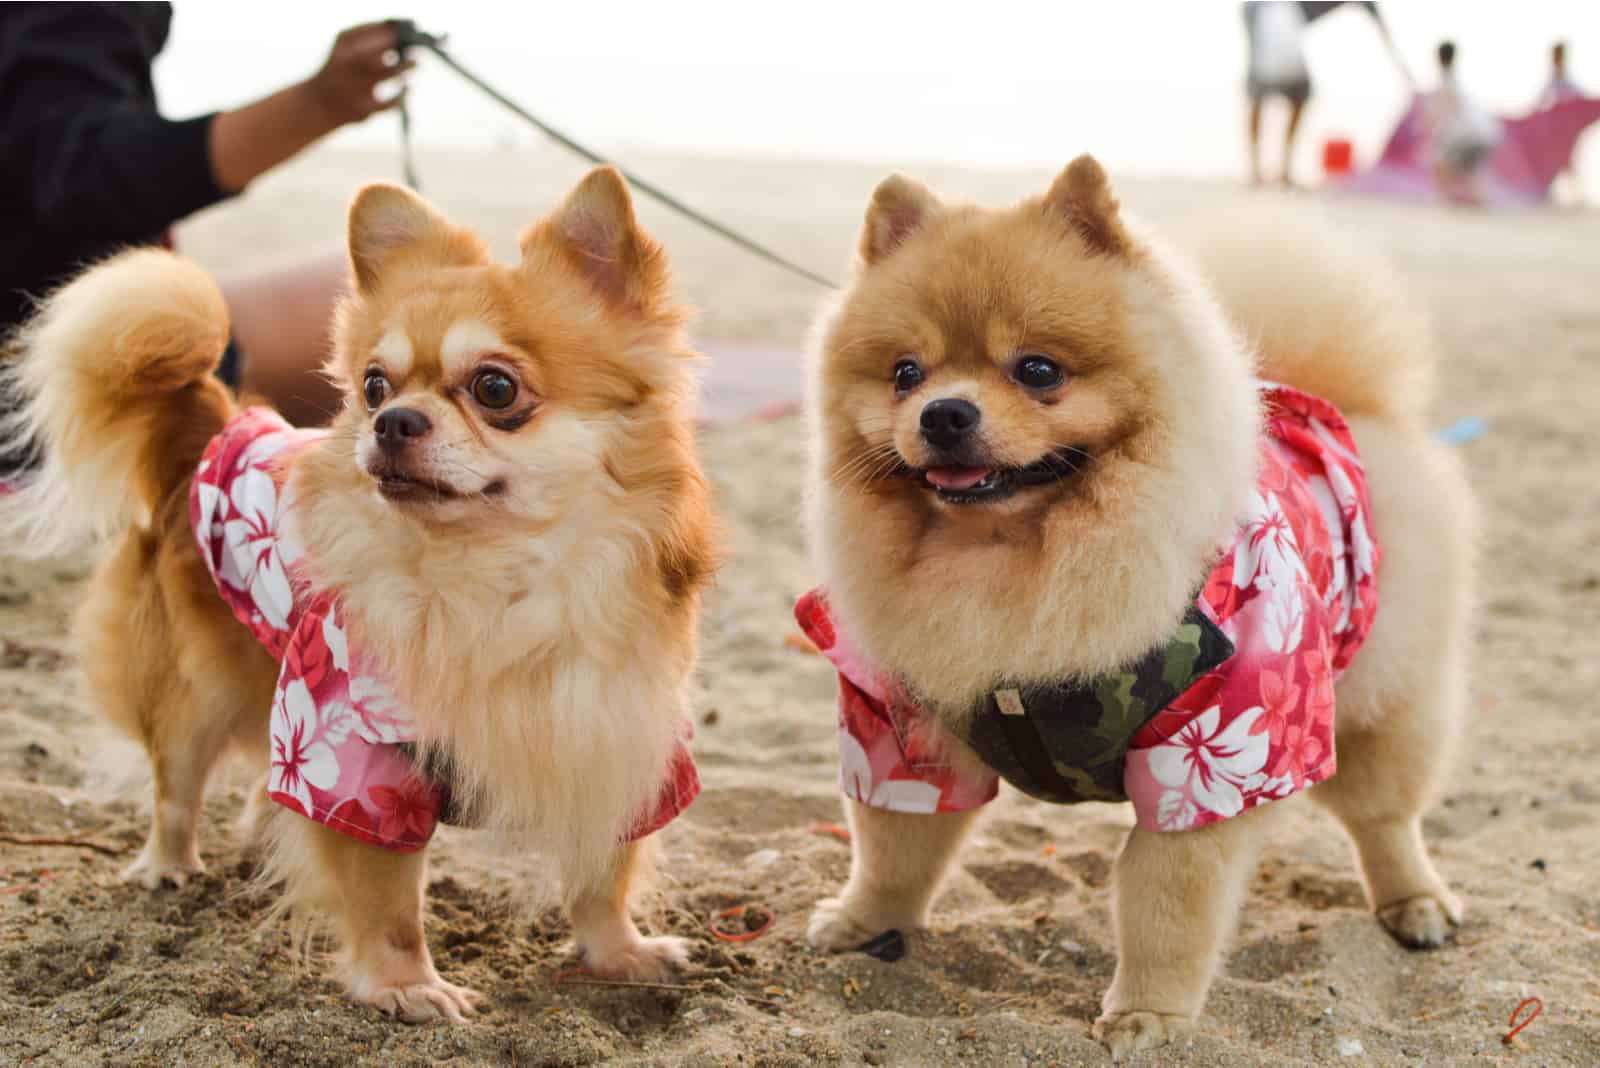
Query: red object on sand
x,y
1337,153
1538,1007
740,936
838,831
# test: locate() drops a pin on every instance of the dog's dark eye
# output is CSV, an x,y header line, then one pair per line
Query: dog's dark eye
x,y
374,390
1039,372
494,390
907,376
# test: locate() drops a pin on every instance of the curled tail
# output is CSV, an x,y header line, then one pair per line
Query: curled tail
x,y
1325,316
112,391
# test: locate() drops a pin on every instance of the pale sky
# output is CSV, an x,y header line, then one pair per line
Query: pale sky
x,y
1151,88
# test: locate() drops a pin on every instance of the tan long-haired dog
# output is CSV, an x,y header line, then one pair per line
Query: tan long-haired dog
x,y
1036,432
508,511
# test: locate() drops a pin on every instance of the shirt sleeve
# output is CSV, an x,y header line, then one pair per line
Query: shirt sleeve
x,y
77,113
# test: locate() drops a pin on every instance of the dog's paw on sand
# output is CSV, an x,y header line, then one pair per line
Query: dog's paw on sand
x,y
646,960
1129,1032
1423,922
423,1002
152,871
834,927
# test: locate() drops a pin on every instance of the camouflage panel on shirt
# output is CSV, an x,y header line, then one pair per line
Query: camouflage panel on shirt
x,y
1065,741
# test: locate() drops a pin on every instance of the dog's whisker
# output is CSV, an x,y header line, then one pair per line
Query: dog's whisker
x,y
868,466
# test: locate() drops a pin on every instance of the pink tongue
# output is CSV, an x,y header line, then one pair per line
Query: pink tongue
x,y
957,478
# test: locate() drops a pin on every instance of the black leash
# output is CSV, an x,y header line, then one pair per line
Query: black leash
x,y
408,162
409,36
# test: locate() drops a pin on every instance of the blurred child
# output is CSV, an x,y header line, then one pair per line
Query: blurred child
x,y
1461,134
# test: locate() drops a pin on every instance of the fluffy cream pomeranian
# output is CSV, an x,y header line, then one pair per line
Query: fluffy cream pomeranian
x,y
1039,435
491,563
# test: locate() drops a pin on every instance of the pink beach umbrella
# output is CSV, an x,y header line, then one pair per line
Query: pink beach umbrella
x,y
1533,150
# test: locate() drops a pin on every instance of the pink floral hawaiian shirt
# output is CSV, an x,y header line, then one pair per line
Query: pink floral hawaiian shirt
x,y
339,736
1295,593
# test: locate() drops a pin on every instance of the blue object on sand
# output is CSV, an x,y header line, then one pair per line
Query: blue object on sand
x,y
1463,430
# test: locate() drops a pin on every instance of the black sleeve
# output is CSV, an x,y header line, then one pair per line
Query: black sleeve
x,y
79,129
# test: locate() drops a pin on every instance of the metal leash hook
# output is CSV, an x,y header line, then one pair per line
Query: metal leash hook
x,y
408,36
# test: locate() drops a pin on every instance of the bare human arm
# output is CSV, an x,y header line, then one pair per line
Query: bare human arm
x,y
253,139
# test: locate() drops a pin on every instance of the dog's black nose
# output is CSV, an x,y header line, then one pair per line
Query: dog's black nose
x,y
946,422
398,427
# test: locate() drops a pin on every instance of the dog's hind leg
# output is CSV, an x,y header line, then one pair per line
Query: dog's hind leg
x,y
131,657
1386,779
182,751
1401,702
898,860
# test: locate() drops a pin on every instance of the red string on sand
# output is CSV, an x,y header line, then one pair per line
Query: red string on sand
x,y
739,936
838,831
38,880
1538,1007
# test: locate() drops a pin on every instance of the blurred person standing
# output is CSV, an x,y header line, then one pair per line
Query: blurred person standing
x,y
1277,66
1560,87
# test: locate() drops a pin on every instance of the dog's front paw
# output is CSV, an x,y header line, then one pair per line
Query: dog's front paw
x,y
835,928
1425,921
1129,1032
153,869
432,999
643,960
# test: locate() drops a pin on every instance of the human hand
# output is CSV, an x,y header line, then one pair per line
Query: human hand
x,y
362,58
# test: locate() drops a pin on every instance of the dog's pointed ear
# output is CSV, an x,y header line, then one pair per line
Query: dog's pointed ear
x,y
388,223
595,232
900,207
1082,196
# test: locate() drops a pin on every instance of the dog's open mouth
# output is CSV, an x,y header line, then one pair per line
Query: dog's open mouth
x,y
975,485
409,489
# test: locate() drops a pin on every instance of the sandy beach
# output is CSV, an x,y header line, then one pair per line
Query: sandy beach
x,y
93,972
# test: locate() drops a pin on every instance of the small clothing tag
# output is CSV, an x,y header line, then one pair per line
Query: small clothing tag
x,y
1009,702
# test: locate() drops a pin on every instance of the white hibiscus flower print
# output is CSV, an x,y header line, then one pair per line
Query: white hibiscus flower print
x,y
1208,765
252,536
1283,620
333,637
213,509
1175,811
261,450
856,781
1266,555
301,755
378,715
373,710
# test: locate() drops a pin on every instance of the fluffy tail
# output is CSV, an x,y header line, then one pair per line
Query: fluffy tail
x,y
111,388
1326,316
